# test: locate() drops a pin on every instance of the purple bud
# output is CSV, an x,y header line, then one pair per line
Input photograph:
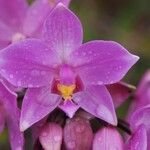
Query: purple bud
x,y
51,136
120,92
108,138
78,134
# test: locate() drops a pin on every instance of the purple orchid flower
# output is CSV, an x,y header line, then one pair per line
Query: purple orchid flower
x,y
18,20
59,71
10,114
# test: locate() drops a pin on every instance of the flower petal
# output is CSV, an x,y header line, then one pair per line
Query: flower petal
x,y
66,75
78,134
5,32
108,138
27,63
138,140
69,108
13,12
102,62
120,92
63,31
143,90
37,13
141,117
38,102
51,136
9,104
97,101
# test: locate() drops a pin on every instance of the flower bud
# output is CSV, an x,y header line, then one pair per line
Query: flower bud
x,y
51,136
107,138
78,134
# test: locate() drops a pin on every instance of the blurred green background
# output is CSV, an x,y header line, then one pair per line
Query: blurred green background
x,y
123,21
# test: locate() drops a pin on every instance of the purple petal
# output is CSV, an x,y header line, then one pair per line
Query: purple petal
x,y
138,140
63,31
12,114
67,75
120,92
51,136
78,134
97,101
36,15
69,107
12,12
38,102
143,90
102,62
27,63
108,138
141,117
6,34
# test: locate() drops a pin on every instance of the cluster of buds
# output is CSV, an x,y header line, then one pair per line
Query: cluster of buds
x,y
64,90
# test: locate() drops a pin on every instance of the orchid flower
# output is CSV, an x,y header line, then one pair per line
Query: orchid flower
x,y
10,114
60,71
18,20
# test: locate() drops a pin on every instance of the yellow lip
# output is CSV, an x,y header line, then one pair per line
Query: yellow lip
x,y
66,91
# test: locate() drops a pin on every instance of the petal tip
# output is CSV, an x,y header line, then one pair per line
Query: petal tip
x,y
113,121
136,58
24,125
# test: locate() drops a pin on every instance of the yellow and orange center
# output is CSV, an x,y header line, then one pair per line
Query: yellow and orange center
x,y
66,91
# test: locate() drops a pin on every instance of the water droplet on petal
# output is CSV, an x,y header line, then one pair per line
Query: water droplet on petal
x,y
44,134
18,148
71,144
19,83
103,111
30,85
11,76
80,128
43,72
99,82
57,138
